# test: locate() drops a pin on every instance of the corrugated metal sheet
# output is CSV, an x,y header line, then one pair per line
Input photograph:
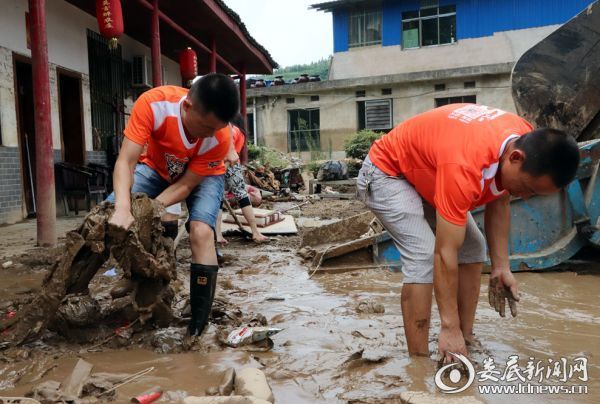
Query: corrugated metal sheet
x,y
340,31
474,18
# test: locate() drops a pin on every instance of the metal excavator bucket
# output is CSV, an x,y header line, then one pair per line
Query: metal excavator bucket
x,y
556,83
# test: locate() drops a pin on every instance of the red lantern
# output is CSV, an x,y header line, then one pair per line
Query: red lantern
x,y
110,20
188,64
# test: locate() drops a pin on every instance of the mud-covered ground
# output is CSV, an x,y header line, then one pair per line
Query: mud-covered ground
x,y
328,351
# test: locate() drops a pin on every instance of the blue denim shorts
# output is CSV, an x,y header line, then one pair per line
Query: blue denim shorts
x,y
203,202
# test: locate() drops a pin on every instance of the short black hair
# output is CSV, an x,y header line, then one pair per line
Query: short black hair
x,y
216,93
550,152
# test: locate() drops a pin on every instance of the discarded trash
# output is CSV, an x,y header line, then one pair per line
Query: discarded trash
x,y
111,272
275,299
10,314
7,264
226,385
148,396
370,306
248,335
253,382
333,171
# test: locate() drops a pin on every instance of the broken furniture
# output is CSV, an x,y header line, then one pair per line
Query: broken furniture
x,y
78,182
537,240
315,186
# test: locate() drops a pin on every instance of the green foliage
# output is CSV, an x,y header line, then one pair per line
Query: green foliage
x,y
320,67
358,145
313,167
266,156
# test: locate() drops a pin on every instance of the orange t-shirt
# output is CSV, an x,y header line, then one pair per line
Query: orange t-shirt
x,y
156,121
238,139
450,155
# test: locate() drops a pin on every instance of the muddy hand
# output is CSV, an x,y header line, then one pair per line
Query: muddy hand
x,y
451,340
121,218
503,287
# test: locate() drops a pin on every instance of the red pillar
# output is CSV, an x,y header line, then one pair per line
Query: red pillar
x,y
244,153
155,48
243,92
213,55
44,153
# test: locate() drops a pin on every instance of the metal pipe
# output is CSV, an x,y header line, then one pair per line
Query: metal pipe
x,y
189,36
254,121
44,152
156,58
213,55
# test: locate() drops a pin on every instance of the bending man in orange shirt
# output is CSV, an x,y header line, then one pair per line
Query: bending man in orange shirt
x,y
188,139
422,179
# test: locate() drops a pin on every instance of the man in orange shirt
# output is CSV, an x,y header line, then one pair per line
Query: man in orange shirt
x,y
426,175
188,138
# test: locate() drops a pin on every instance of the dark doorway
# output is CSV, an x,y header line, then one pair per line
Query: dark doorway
x,y
26,127
71,118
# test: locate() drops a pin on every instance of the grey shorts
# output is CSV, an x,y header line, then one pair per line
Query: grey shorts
x,y
410,221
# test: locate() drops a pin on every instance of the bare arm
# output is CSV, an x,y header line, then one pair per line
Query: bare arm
x,y
122,182
448,240
503,284
497,226
181,189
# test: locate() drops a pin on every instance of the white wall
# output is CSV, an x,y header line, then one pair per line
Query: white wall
x,y
66,26
339,113
379,60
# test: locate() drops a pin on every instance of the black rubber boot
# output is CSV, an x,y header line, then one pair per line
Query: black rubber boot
x,y
171,228
203,282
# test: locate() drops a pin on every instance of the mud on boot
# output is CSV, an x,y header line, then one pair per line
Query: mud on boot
x,y
203,282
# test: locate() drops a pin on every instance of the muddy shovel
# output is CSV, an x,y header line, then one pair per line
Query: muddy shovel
x,y
245,232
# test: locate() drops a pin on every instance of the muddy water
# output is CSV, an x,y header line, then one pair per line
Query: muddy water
x,y
315,358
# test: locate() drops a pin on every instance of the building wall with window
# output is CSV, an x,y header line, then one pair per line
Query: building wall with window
x,y
394,59
67,54
414,35
347,106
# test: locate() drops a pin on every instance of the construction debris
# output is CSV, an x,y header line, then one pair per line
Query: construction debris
x,y
253,382
143,254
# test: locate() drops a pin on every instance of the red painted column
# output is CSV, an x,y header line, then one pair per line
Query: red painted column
x,y
243,92
155,47
244,153
213,55
44,153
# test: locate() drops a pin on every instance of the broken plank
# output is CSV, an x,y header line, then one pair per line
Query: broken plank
x,y
73,384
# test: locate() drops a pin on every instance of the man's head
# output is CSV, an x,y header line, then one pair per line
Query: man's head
x,y
539,163
213,100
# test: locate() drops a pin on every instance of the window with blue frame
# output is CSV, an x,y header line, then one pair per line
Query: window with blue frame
x,y
429,26
364,28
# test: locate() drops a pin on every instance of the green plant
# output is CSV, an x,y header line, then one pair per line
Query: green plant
x,y
358,145
313,167
266,156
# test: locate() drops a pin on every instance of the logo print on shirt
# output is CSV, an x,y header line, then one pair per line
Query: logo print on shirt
x,y
479,113
175,165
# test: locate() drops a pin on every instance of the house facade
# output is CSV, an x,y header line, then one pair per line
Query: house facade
x,y
393,59
92,87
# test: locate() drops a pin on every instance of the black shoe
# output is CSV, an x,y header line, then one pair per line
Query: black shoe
x,y
203,282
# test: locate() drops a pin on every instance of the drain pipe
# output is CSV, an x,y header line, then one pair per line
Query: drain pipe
x,y
254,121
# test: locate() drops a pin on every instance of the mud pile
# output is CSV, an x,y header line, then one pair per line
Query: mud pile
x,y
141,252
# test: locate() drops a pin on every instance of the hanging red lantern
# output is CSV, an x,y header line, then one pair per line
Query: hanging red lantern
x,y
188,64
110,20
